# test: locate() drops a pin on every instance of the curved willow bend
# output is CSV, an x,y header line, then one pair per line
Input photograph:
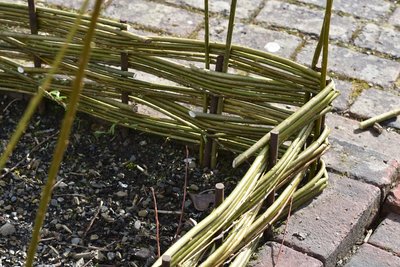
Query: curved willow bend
x,y
166,78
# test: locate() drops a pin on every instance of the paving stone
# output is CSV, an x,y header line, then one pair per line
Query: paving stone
x,y
361,164
154,15
73,4
372,256
244,9
346,130
392,203
371,9
16,1
356,65
253,36
267,256
333,222
379,38
373,102
395,17
387,235
342,102
305,20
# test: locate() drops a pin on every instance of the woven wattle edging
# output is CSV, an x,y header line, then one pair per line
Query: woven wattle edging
x,y
256,95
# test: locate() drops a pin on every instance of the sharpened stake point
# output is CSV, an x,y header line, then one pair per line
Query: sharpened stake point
x,y
166,260
219,194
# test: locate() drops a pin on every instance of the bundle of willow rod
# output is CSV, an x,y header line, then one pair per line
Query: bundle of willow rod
x,y
260,92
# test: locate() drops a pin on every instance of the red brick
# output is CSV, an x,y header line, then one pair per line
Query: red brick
x,y
267,256
370,256
387,235
392,202
332,223
347,130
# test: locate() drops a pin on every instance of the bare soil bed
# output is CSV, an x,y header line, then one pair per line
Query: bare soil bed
x,y
102,210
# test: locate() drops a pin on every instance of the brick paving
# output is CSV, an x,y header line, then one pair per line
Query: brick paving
x,y
365,51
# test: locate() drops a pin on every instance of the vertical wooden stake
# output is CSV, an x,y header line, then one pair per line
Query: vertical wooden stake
x,y
33,23
219,194
219,198
124,94
272,159
210,150
166,260
273,148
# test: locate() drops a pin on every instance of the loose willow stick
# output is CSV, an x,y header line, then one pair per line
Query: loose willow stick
x,y
379,118
63,138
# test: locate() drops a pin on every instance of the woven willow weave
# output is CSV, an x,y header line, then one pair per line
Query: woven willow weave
x,y
164,86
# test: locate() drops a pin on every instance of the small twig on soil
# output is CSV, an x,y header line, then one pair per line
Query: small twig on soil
x,y
27,155
47,239
57,183
70,195
94,218
157,222
77,173
285,231
54,250
178,230
89,262
172,212
9,104
105,248
85,255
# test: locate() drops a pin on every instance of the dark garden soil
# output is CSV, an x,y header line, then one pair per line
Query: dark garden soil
x,y
102,209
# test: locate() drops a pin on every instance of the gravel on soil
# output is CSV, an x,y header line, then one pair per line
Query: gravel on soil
x,y
102,211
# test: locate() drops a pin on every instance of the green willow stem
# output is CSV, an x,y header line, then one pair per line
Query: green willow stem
x,y
294,118
379,118
63,138
35,100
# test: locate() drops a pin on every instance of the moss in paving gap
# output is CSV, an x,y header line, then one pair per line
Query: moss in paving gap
x,y
357,88
257,11
302,44
196,31
141,27
183,6
356,33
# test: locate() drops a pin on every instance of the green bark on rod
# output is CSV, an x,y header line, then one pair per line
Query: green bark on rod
x,y
382,117
62,140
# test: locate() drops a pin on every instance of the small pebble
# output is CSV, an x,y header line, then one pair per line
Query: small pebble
x,y
194,187
110,255
121,193
7,229
94,237
62,185
143,213
138,224
75,240
54,202
142,254
143,143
